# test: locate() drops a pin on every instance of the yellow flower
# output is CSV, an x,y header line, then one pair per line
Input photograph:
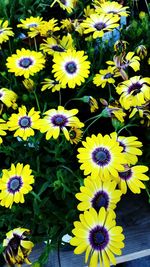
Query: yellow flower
x,y
143,112
92,103
112,8
5,31
71,67
17,246
51,84
3,127
8,97
24,122
31,22
67,5
115,111
141,51
28,84
132,177
101,156
98,235
46,29
25,62
75,135
53,45
134,92
57,120
96,194
14,184
99,24
105,76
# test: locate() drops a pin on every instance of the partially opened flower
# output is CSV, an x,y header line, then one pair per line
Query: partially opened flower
x,y
97,235
24,122
96,194
71,68
112,8
45,29
51,84
3,128
99,24
59,120
132,178
106,76
131,147
115,111
134,92
17,247
31,22
75,135
67,5
25,62
5,31
101,156
8,97
14,184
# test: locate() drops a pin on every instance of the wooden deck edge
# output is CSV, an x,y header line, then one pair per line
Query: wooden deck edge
x,y
133,256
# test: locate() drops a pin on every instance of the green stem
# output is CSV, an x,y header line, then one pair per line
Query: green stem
x,y
35,44
126,126
97,118
59,97
37,101
147,7
72,99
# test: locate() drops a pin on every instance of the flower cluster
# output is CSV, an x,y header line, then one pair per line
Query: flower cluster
x,y
59,145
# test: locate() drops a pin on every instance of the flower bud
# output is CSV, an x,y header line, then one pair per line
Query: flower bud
x,y
141,51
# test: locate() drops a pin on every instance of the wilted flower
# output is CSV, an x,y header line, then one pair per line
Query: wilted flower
x,y
28,84
141,51
92,102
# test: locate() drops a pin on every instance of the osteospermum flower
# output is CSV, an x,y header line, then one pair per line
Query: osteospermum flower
x,y
101,156
28,84
71,67
30,22
57,120
105,76
25,62
3,127
114,110
67,5
131,147
133,178
8,97
17,247
112,8
14,184
75,135
24,122
99,24
51,84
96,194
98,235
134,92
53,45
5,31
46,29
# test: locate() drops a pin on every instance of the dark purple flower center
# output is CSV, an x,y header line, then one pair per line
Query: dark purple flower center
x,y
14,243
25,122
25,62
125,175
101,156
108,75
59,120
71,67
101,199
14,184
1,95
135,88
98,238
73,134
33,25
99,26
58,48
123,145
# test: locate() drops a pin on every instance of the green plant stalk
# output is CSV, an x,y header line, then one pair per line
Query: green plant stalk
x,y
37,101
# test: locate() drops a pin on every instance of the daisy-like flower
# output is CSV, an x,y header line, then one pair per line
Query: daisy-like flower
x,y
132,177
98,235
3,127
5,31
99,24
31,22
67,5
25,62
122,62
53,45
17,247
91,101
14,184
28,84
134,92
143,112
75,135
114,110
46,29
71,67
112,8
8,97
106,76
51,84
24,122
71,25
101,156
57,120
96,194
131,147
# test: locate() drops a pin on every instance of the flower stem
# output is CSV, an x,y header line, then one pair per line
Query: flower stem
x,y
35,44
37,101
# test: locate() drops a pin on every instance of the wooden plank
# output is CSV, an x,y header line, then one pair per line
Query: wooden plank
x,y
133,214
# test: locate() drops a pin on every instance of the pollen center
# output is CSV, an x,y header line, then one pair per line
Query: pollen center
x,y
125,175
107,76
99,200
14,184
58,48
99,26
25,122
98,238
59,120
101,156
25,62
135,88
71,67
